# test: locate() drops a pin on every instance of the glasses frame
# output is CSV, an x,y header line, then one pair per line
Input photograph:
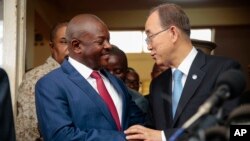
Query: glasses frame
x,y
148,40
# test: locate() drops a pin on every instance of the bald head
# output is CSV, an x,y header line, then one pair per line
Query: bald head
x,y
81,24
88,40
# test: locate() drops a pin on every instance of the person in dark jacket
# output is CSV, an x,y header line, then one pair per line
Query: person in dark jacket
x,y
7,130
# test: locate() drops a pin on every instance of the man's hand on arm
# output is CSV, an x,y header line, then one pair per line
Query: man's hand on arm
x,y
138,132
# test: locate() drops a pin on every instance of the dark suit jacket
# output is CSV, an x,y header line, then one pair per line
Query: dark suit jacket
x,y
139,100
69,108
7,130
195,92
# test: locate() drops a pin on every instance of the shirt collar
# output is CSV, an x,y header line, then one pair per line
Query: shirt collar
x,y
81,68
185,65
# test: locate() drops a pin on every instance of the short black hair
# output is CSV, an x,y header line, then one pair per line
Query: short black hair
x,y
121,54
55,28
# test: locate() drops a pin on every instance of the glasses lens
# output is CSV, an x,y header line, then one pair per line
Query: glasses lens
x,y
146,40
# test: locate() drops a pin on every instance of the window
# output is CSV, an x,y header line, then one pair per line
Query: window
x,y
134,41
201,34
128,41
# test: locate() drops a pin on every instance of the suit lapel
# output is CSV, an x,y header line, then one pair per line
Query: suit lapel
x,y
166,96
194,79
88,90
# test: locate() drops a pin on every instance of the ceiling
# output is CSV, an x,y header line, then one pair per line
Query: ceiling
x,y
74,6
135,11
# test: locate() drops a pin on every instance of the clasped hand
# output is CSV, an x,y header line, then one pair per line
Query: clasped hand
x,y
141,133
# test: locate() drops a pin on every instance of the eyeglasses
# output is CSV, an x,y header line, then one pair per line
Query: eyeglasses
x,y
149,38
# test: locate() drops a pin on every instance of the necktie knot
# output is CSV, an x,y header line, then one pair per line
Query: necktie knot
x,y
95,75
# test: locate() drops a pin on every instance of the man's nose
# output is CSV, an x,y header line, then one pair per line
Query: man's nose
x,y
149,47
107,45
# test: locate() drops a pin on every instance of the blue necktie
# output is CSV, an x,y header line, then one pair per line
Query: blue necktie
x,y
177,90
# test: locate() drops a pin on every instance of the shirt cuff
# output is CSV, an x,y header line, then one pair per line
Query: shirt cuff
x,y
163,137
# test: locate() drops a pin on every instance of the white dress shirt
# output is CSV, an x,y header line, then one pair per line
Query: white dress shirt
x,y
185,66
86,72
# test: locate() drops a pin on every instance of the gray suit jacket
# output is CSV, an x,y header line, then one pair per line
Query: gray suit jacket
x,y
139,100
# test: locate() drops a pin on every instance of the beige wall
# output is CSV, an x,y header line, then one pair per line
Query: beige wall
x,y
143,64
41,48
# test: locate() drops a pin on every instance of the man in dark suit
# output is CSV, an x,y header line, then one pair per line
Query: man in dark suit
x,y
7,130
174,100
79,100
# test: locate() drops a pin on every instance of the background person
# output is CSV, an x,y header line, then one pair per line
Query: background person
x,y
117,64
132,79
157,70
26,122
7,130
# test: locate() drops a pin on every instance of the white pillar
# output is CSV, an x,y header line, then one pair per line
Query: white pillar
x,y
14,36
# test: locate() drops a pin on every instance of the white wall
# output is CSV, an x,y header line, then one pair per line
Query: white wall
x,y
1,31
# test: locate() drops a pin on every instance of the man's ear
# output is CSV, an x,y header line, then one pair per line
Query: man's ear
x,y
75,45
174,33
51,46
